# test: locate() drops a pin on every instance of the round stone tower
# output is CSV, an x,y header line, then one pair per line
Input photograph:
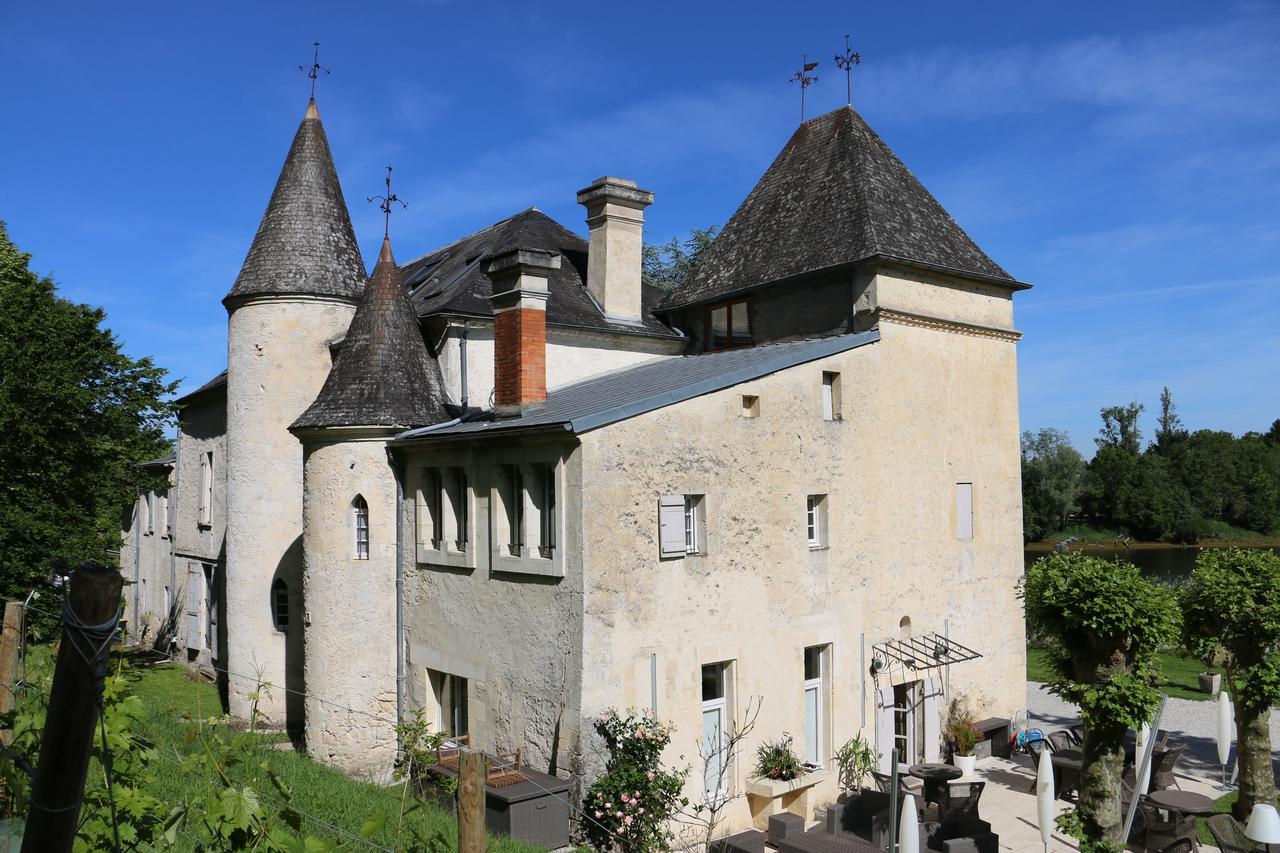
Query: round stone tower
x,y
295,295
383,381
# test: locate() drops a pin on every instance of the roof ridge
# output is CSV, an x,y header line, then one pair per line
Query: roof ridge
x,y
467,237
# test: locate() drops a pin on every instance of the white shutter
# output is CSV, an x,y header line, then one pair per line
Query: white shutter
x,y
195,601
884,729
964,510
828,397
671,525
930,707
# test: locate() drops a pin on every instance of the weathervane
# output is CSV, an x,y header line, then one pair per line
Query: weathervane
x,y
845,62
386,203
313,70
805,79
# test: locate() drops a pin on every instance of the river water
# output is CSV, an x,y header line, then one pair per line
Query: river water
x,y
1171,565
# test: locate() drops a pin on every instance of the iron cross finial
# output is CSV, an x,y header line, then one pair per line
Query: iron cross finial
x,y
805,79
845,62
313,70
387,201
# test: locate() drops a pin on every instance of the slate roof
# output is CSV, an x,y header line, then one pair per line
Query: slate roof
x,y
834,195
450,280
611,397
383,375
219,381
304,244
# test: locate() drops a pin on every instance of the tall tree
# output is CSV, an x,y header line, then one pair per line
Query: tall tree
x,y
1169,430
1232,605
1052,477
668,265
76,416
1120,428
1102,622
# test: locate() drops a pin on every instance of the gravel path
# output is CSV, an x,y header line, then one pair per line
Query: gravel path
x,y
1187,721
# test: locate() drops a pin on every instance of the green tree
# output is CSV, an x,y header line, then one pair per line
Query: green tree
x,y
76,416
668,265
1169,430
1152,503
1120,428
1052,477
1102,623
1231,606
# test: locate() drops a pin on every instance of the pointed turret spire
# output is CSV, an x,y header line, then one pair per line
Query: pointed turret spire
x,y
305,244
384,375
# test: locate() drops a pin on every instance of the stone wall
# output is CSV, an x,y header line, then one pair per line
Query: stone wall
x,y
277,360
350,616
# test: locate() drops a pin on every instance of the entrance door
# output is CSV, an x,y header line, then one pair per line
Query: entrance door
x,y
714,708
904,722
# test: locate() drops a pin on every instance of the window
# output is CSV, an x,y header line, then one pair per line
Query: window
x,y
542,497
148,512
454,535
430,512
816,520
750,406
680,525
715,725
163,498
964,510
815,691
513,501
728,325
206,487
168,602
450,693
279,605
830,396
360,527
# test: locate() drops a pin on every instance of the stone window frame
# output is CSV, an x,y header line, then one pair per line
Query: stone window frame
x,y
527,553
431,504
816,524
361,541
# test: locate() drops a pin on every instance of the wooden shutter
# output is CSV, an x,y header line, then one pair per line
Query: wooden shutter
x,y
671,525
930,707
884,729
964,510
195,603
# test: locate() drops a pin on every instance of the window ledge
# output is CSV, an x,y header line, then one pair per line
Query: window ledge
x,y
528,565
819,547
453,559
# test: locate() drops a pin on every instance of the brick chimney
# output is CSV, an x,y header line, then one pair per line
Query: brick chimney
x,y
615,215
519,298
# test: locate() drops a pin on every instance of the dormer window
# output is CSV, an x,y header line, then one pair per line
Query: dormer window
x,y
728,325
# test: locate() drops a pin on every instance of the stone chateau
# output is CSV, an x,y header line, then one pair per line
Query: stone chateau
x,y
513,485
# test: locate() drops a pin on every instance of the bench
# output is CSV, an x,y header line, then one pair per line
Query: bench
x,y
751,841
993,738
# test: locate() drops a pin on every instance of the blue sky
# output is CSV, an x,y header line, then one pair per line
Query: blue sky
x,y
1122,157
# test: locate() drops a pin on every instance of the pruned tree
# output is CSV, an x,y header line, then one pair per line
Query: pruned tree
x,y
1102,622
702,818
1231,611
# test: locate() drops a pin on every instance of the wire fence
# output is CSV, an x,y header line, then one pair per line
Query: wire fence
x,y
256,681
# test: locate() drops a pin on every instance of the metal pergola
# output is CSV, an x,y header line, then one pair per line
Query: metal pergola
x,y
923,652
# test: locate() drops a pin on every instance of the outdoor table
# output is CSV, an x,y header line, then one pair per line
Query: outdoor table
x,y
1183,802
934,776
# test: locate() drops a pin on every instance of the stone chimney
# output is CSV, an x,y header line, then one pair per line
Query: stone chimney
x,y
615,215
519,298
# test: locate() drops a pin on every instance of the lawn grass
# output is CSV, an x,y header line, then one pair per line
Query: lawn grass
x,y
178,705
1180,674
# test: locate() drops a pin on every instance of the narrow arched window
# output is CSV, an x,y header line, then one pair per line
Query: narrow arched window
x,y
360,526
279,605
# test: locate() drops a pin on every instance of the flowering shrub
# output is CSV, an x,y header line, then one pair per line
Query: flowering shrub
x,y
629,806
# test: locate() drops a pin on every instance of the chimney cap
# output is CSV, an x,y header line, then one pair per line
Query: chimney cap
x,y
616,190
515,261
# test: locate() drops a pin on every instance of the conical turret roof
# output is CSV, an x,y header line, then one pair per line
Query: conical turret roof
x,y
836,194
383,375
305,243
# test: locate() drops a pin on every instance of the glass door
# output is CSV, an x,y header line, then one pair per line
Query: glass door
x,y
714,753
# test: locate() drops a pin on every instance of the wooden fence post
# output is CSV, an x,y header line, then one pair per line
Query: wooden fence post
x,y
71,721
10,643
471,784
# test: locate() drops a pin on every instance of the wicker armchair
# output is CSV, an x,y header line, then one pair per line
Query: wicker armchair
x,y
960,800
1161,833
1162,768
1061,740
1229,835
1182,845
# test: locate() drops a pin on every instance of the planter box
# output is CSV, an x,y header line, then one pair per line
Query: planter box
x,y
1211,683
536,811
767,797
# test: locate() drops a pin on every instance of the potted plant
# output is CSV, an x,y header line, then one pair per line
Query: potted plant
x,y
1210,681
775,760
854,761
961,735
